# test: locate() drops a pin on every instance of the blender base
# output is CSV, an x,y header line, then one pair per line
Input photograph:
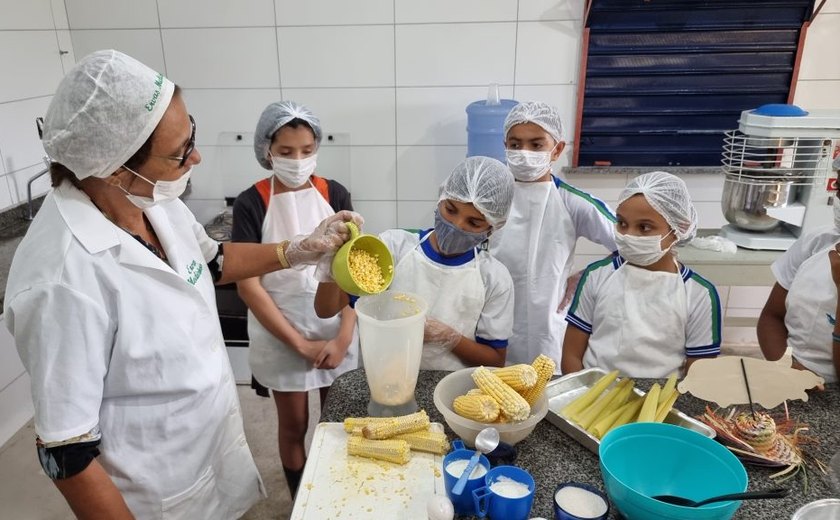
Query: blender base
x,y
384,410
779,239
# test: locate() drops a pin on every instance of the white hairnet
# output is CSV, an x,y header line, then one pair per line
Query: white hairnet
x,y
275,116
668,195
541,114
483,182
103,111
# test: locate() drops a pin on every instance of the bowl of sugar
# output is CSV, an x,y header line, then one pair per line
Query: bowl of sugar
x,y
576,501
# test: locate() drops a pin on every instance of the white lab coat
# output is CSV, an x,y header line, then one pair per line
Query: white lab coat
x,y
113,336
537,245
274,364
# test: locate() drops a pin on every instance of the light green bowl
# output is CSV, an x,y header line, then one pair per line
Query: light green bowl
x,y
369,243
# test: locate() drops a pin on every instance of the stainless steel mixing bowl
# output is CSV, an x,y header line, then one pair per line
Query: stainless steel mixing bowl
x,y
745,201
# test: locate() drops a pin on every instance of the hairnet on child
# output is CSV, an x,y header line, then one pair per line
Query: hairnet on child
x,y
668,195
483,182
103,111
275,116
541,114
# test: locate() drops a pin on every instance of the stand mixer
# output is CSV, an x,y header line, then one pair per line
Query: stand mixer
x,y
778,177
391,338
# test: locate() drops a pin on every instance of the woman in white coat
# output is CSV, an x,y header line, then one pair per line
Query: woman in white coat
x,y
291,351
546,219
801,311
110,299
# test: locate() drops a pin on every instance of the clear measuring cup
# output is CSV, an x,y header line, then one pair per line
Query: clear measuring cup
x,y
391,339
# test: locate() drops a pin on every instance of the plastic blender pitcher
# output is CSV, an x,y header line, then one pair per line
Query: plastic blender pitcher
x,y
391,339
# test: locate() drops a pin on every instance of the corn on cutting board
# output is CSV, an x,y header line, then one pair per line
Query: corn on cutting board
x,y
337,485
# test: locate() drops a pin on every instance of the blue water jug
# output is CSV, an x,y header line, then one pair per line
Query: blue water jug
x,y
486,125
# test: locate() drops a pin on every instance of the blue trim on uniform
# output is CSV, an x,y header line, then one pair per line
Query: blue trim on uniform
x,y
579,323
434,256
685,272
495,343
704,351
716,312
353,299
618,260
598,203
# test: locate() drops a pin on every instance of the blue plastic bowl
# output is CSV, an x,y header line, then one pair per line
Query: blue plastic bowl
x,y
641,460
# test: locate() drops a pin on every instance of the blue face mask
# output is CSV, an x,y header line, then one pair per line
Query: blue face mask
x,y
452,240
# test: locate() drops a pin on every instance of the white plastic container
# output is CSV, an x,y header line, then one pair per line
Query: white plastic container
x,y
391,339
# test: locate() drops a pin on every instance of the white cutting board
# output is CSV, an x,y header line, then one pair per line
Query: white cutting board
x,y
337,485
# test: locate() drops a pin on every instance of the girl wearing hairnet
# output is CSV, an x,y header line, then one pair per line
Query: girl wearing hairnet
x,y
470,294
111,302
291,350
802,308
640,311
538,243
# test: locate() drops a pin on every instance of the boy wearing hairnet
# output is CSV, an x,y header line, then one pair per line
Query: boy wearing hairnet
x,y
546,219
470,293
640,311
291,350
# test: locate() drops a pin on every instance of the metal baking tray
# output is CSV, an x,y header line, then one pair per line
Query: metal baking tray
x,y
566,389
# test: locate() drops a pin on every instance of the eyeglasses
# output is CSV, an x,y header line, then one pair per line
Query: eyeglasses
x,y
182,160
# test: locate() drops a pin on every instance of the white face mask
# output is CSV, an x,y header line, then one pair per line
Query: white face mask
x,y
163,190
528,166
836,207
293,172
638,250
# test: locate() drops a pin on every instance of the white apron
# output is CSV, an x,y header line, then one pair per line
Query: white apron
x,y
455,296
641,324
273,363
811,297
540,225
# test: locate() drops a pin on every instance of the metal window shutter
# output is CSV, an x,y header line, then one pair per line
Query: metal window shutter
x,y
664,79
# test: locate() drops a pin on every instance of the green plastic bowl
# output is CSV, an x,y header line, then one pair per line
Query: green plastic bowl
x,y
642,460
374,246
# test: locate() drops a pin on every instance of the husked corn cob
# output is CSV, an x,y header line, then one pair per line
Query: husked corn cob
x,y
519,377
513,405
544,367
397,425
428,441
481,408
396,451
364,268
352,424
475,391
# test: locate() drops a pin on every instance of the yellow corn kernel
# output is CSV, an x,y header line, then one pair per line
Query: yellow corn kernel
x,y
481,408
519,377
513,405
544,367
364,268
352,424
428,441
475,391
396,451
397,425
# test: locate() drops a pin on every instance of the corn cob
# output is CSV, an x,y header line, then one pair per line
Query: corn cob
x,y
544,367
357,423
628,412
481,408
519,377
428,441
670,386
475,391
396,451
603,424
397,425
513,405
665,407
589,397
620,391
648,411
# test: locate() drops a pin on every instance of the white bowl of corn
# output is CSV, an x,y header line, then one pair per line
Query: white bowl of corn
x,y
511,399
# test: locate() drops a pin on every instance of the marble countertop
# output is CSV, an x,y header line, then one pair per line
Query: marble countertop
x,y
552,457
